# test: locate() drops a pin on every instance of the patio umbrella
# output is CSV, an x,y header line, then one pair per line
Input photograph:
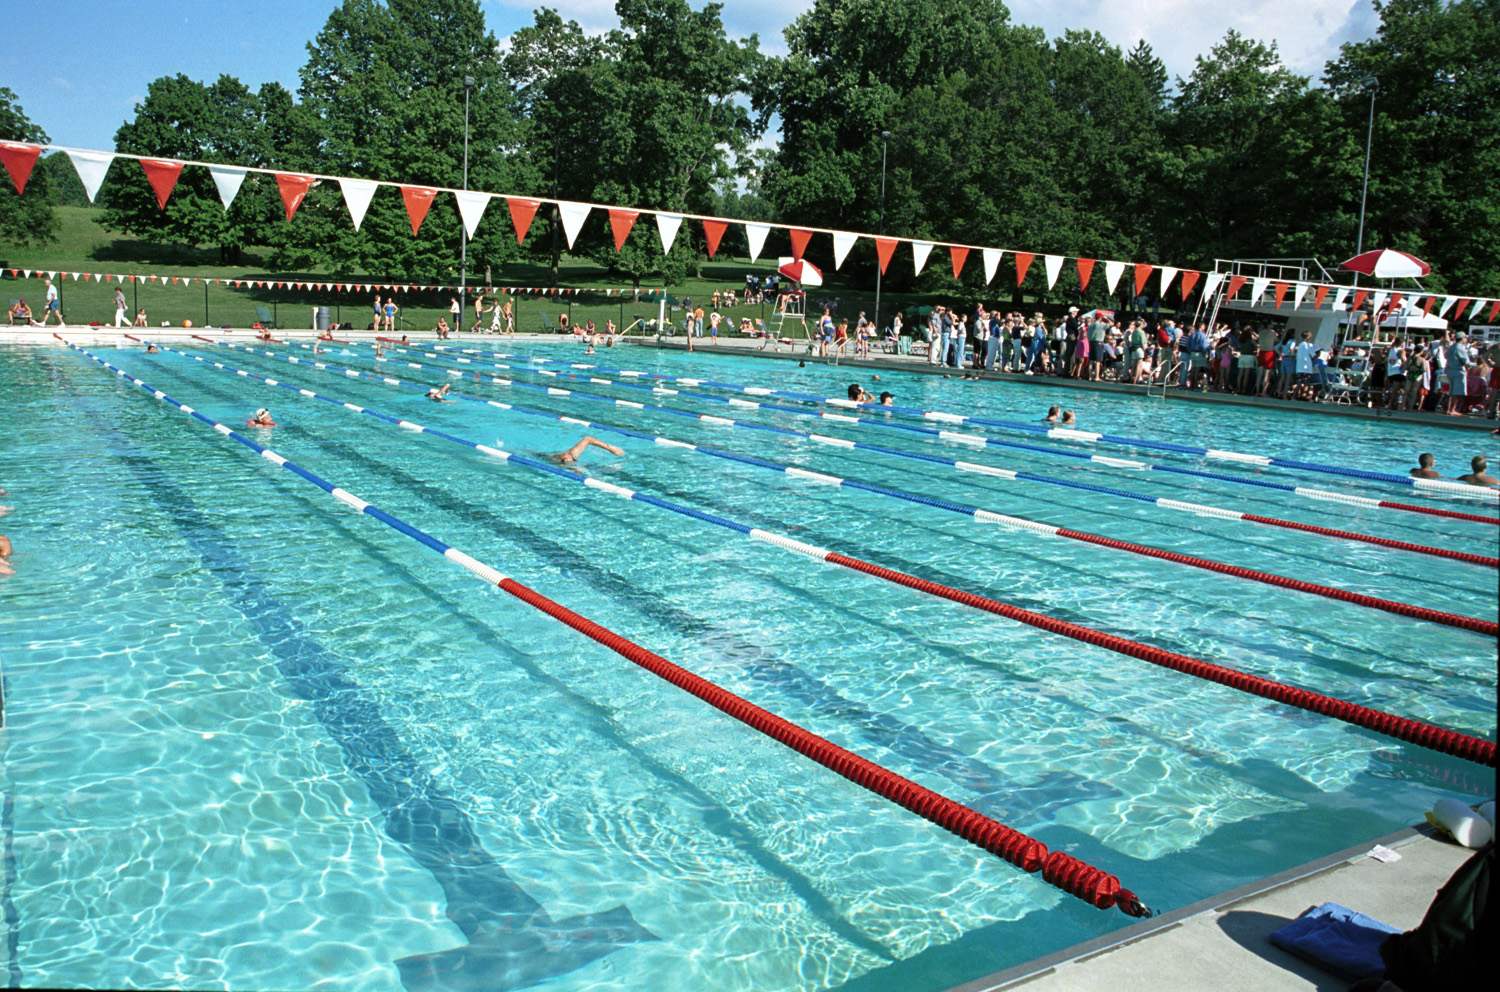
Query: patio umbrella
x,y
1385,263
802,271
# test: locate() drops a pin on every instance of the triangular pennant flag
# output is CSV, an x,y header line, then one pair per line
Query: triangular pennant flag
x,y
1235,284
573,215
1447,302
1211,285
228,179
1298,293
1494,309
1377,305
1459,310
756,235
418,202
1085,271
667,226
521,213
357,193
1053,264
1023,262
1189,280
1258,287
19,160
919,253
1318,296
800,238
884,249
991,258
1142,273
1112,273
162,174
713,231
842,242
1396,300
958,255
1281,288
471,207
1427,305
620,222
91,168
1339,295
1168,273
293,188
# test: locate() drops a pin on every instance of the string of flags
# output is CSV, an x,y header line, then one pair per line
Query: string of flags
x,y
20,158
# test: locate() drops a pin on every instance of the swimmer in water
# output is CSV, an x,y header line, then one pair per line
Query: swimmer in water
x,y
1068,418
262,418
857,394
151,349
5,550
886,399
1424,469
440,395
1051,417
571,456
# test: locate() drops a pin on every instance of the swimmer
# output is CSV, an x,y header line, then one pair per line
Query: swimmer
x,y
5,550
887,399
1424,469
151,349
1479,477
262,418
439,394
570,457
1068,418
858,394
1051,417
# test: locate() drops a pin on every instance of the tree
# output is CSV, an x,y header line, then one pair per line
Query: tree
x,y
28,219
1152,72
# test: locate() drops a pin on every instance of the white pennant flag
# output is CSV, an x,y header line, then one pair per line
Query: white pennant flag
x,y
357,193
1211,283
756,234
1167,275
666,226
919,252
1054,268
991,263
842,242
1378,301
1299,292
1339,296
1112,273
471,206
573,215
1447,302
1258,287
91,168
228,178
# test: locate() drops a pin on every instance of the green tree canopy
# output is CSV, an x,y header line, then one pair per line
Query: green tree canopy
x,y
28,219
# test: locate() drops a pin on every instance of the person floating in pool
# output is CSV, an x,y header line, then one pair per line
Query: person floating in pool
x,y
262,418
571,456
1424,469
1052,415
1479,476
439,394
1068,419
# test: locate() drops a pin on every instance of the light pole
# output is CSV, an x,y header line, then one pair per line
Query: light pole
x,y
885,142
1372,84
463,235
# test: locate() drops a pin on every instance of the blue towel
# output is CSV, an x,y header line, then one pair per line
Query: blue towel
x,y
1336,939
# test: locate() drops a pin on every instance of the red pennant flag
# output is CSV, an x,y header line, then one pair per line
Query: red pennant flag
x,y
1394,300
293,188
162,174
714,230
1085,271
521,213
1494,309
1359,298
1189,280
1281,288
1142,273
1023,262
959,255
800,238
1318,296
884,249
1428,305
1458,311
1235,284
19,160
621,221
418,200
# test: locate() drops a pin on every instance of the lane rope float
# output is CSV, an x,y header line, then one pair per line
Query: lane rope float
x,y
1057,868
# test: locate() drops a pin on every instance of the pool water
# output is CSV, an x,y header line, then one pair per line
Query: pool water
x,y
255,740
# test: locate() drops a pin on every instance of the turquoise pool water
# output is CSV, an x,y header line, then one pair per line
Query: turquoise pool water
x,y
257,741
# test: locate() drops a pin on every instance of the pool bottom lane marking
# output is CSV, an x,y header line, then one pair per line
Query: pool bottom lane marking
x,y
1404,728
1057,868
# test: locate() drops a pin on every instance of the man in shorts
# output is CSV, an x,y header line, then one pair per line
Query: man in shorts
x,y
1459,360
52,306
1265,357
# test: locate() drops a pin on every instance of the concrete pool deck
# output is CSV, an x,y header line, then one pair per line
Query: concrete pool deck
x,y
1220,942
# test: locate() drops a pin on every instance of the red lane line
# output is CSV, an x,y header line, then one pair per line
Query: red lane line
x,y
1403,728
1062,870
1434,511
1387,542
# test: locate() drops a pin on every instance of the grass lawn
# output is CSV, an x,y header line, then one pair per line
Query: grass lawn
x,y
85,247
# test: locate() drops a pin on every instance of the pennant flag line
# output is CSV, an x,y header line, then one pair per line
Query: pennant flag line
x,y
1189,280
1085,270
91,167
620,223
471,207
1053,264
667,226
713,230
19,160
756,233
919,253
162,175
1023,262
293,188
958,255
418,200
357,194
991,258
842,242
800,239
1167,275
521,212
1112,273
228,179
1142,273
884,249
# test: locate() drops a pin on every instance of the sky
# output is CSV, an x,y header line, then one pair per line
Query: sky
x,y
88,62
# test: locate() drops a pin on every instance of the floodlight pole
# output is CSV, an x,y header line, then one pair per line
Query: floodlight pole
x,y
885,141
463,235
1372,84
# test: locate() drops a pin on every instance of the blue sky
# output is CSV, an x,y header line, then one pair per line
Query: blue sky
x,y
87,62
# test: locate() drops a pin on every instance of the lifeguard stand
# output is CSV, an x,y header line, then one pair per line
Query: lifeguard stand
x,y
796,312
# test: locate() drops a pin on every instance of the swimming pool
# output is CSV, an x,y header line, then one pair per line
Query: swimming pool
x,y
257,741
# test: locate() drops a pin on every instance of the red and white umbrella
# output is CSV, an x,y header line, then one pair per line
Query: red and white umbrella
x,y
802,271
1386,263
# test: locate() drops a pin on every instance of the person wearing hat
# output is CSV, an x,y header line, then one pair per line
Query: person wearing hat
x,y
1459,360
262,418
